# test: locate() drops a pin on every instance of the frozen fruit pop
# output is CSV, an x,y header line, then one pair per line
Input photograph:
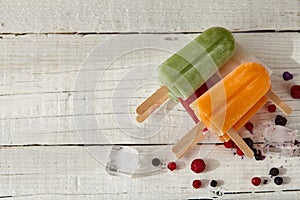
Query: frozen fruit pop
x,y
185,71
234,98
225,103
240,56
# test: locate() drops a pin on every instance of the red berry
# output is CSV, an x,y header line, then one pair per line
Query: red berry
x,y
172,166
295,91
197,184
239,152
198,165
204,130
249,126
271,108
229,144
256,181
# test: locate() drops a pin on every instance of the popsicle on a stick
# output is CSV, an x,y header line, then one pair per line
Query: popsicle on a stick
x,y
240,56
230,102
185,71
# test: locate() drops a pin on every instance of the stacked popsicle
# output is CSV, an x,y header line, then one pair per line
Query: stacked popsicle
x,y
240,56
228,105
186,75
185,71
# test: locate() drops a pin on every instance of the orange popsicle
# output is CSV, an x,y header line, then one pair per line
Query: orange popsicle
x,y
229,100
244,119
228,105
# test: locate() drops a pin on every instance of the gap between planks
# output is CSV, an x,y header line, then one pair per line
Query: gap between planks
x,y
132,33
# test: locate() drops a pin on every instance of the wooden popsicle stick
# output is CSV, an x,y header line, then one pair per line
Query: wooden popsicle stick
x,y
155,98
189,140
236,138
142,117
145,115
187,148
278,102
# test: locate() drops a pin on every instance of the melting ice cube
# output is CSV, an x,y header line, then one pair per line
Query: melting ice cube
x,y
279,139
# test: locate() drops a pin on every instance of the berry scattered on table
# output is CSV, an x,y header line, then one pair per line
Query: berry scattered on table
x,y
254,150
280,120
213,183
278,180
172,166
287,76
258,155
249,142
274,171
249,126
198,165
239,152
295,91
155,162
265,181
256,181
229,144
272,108
197,184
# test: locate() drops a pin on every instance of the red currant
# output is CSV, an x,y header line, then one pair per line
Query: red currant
x,y
249,126
271,108
172,166
239,152
229,144
197,184
256,181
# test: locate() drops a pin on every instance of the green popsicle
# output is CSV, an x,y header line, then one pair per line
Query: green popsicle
x,y
185,71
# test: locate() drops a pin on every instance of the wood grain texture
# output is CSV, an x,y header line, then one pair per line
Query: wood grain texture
x,y
37,88
164,16
71,172
45,44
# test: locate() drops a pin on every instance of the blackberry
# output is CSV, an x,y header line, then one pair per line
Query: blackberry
x,y
274,171
249,142
278,180
213,183
287,76
280,120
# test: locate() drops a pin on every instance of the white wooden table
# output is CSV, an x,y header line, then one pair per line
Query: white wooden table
x,y
45,45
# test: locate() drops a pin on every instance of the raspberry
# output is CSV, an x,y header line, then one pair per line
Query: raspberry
x,y
256,181
198,165
249,126
271,108
287,76
280,120
197,184
229,144
239,152
172,166
295,91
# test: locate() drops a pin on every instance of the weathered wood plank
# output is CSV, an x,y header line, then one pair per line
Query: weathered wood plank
x,y
38,91
164,16
40,172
